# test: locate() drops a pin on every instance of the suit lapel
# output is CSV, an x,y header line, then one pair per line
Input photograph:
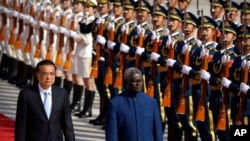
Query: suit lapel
x,y
39,101
53,101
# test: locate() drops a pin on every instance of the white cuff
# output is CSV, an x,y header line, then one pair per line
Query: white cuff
x,y
63,30
124,48
170,62
111,45
15,13
154,56
225,82
186,69
100,39
244,88
139,50
205,75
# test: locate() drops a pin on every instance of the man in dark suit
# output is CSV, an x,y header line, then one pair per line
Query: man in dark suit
x,y
133,115
43,111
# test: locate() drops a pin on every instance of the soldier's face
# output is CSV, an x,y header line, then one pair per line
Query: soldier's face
x,y
228,37
142,16
129,13
134,83
209,33
231,15
117,10
217,11
173,3
241,43
78,7
247,18
103,8
66,4
159,20
183,4
56,2
91,10
188,29
175,24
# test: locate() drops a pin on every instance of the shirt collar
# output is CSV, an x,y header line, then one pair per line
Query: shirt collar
x,y
41,90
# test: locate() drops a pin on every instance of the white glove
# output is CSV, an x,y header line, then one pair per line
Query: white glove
x,y
124,48
168,41
53,27
100,20
15,13
111,25
154,56
43,25
225,82
6,10
74,35
184,48
21,16
244,63
140,30
225,59
205,75
33,22
170,62
139,50
244,87
111,45
186,69
63,30
155,36
124,28
100,39
204,52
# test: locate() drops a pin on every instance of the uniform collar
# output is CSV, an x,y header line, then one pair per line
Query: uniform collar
x,y
130,22
223,50
175,34
159,30
104,16
117,19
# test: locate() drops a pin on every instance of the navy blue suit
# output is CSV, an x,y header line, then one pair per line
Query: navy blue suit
x,y
133,118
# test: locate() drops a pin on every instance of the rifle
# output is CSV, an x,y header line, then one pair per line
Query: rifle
x,y
18,42
49,54
213,16
61,43
39,44
167,92
27,47
181,107
67,64
4,22
119,77
150,88
200,114
221,125
14,25
239,116
140,40
109,73
94,71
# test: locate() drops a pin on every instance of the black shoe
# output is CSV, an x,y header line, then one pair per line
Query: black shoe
x,y
84,114
100,122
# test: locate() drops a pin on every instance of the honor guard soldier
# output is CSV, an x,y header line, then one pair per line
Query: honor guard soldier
x,y
238,80
231,11
201,95
112,28
216,10
244,39
245,9
154,43
77,36
68,13
183,5
217,75
187,47
84,50
175,130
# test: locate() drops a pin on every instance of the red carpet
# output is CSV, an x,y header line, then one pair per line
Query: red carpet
x,y
7,130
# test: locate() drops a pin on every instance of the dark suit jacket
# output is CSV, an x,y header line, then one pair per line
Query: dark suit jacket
x,y
133,119
32,123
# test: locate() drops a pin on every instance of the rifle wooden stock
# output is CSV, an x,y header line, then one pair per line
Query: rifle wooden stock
x,y
138,57
109,73
181,107
94,71
67,63
167,92
49,54
18,42
150,89
39,44
27,47
4,22
222,124
61,44
14,26
119,77
200,114
239,116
